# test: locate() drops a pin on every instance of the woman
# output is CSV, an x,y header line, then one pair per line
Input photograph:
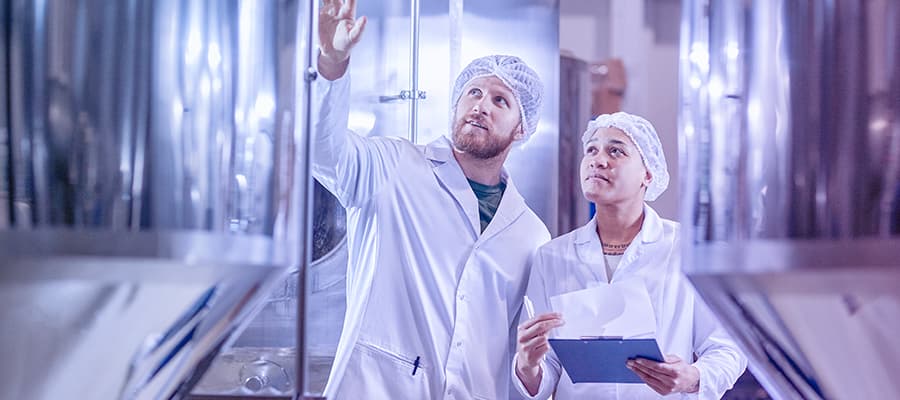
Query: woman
x,y
626,243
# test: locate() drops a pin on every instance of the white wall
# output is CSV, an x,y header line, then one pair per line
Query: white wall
x,y
644,34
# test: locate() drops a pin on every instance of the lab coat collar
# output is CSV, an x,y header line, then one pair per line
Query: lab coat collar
x,y
651,228
452,178
512,205
590,250
440,150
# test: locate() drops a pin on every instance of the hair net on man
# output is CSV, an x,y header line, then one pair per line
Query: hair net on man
x,y
516,75
644,137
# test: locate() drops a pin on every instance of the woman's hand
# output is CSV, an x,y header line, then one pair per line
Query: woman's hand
x,y
532,345
672,376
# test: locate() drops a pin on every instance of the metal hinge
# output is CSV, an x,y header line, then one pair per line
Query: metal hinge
x,y
404,95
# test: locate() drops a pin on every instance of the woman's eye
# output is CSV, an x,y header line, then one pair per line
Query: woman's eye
x,y
502,101
474,92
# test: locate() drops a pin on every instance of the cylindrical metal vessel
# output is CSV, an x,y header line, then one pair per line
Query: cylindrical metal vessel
x,y
153,186
574,114
790,149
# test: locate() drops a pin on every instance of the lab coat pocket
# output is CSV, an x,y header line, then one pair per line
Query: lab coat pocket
x,y
395,375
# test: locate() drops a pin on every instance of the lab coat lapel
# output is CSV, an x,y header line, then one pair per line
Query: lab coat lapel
x,y
512,205
589,249
450,176
651,231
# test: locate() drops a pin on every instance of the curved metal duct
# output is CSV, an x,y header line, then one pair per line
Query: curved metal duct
x,y
790,134
153,186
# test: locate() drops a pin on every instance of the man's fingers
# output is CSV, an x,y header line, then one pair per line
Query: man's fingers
x,y
326,10
329,7
348,10
357,30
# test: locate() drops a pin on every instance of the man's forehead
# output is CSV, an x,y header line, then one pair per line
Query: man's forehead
x,y
491,81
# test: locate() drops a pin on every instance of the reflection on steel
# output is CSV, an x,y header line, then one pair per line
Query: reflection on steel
x,y
790,132
329,223
152,186
574,114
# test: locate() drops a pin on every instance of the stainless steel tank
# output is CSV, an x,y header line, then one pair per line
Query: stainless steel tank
x,y
790,142
574,114
153,186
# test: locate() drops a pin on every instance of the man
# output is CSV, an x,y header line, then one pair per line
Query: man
x,y
439,236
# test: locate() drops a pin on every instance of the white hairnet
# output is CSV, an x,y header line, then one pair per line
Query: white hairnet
x,y
516,75
644,137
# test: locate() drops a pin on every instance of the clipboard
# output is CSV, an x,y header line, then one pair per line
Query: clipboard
x,y
602,360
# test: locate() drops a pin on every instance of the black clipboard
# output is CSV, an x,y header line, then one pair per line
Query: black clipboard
x,y
602,360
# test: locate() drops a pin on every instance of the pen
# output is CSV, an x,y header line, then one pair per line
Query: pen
x,y
416,365
529,307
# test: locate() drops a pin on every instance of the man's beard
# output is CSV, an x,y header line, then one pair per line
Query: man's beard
x,y
482,145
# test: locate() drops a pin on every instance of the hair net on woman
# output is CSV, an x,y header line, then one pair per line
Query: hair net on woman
x,y
644,137
516,75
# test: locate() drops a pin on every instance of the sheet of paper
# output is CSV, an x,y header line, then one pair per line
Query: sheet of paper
x,y
617,309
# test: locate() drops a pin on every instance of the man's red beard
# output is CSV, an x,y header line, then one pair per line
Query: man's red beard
x,y
483,145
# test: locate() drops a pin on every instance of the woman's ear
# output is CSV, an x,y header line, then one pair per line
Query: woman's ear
x,y
648,177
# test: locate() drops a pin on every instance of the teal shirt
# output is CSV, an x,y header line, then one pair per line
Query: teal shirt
x,y
488,200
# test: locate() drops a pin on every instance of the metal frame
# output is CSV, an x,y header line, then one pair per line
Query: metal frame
x,y
414,71
306,249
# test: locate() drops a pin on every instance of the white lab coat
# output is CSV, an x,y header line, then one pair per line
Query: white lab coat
x,y
684,325
423,281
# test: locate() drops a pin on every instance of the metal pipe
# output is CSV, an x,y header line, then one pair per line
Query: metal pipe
x,y
414,69
306,214
5,167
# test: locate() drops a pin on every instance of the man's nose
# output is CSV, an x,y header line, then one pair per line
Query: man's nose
x,y
480,107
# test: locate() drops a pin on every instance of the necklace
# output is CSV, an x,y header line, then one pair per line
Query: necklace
x,y
614,249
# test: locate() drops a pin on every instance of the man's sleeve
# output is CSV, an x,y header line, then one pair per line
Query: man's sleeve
x,y
351,167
